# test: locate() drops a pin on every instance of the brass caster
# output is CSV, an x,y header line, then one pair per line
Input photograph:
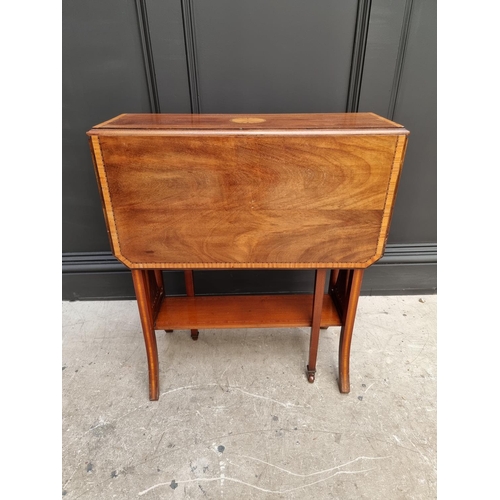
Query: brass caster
x,y
311,375
194,334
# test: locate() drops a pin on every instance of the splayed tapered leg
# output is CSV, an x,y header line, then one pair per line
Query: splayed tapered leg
x,y
352,293
142,292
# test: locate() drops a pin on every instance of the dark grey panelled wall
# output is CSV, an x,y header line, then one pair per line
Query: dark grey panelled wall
x,y
244,56
103,76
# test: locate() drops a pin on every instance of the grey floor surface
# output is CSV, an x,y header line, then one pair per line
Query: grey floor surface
x,y
237,418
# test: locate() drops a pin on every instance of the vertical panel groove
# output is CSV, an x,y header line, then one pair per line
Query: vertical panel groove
x,y
403,42
358,55
191,55
142,16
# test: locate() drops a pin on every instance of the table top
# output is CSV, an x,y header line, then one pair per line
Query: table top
x,y
256,123
248,191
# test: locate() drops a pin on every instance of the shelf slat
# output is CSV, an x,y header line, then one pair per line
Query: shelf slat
x,y
242,311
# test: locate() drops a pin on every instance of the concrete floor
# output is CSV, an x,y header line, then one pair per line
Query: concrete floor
x,y
237,418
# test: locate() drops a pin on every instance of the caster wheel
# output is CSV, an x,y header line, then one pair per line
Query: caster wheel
x,y
311,378
194,334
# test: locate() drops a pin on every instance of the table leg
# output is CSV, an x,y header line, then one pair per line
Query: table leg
x,y
352,294
319,291
189,280
142,292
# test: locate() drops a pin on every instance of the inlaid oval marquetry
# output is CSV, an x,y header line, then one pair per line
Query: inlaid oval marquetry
x,y
248,119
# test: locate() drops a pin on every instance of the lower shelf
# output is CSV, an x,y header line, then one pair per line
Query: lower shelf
x,y
242,311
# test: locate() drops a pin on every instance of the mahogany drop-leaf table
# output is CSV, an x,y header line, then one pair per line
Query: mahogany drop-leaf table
x,y
276,191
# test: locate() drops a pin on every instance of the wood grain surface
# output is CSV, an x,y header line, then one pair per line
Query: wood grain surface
x,y
258,122
197,201
242,311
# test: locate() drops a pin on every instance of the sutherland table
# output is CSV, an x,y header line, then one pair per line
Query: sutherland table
x,y
283,191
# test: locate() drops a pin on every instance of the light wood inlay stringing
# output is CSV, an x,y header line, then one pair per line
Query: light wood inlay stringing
x,y
221,198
